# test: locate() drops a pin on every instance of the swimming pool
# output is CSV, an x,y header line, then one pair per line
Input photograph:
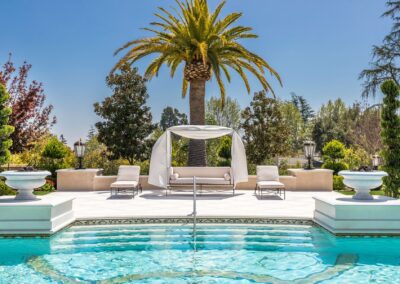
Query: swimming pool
x,y
217,254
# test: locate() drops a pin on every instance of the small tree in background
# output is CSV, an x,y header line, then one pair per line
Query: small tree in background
x,y
333,155
127,121
53,155
265,132
5,129
391,137
228,115
30,117
171,117
306,111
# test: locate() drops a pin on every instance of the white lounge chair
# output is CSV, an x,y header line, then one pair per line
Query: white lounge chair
x,y
268,181
127,180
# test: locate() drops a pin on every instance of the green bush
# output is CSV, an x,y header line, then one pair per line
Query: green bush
x,y
334,150
355,157
338,183
5,190
335,166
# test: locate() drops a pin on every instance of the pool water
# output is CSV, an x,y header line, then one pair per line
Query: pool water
x,y
214,254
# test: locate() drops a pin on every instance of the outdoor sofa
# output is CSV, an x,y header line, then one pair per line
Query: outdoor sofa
x,y
220,177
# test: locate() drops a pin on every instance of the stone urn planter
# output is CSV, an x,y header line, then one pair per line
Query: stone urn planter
x,y
363,182
25,182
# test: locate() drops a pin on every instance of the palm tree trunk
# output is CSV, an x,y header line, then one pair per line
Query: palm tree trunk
x,y
197,148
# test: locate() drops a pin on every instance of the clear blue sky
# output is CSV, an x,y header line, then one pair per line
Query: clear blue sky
x,y
317,46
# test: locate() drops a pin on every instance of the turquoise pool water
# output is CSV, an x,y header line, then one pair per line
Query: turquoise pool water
x,y
218,254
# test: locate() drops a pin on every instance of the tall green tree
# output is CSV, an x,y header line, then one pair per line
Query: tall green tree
x,y
208,45
127,121
385,63
391,137
303,106
5,129
334,121
227,115
265,132
171,117
297,127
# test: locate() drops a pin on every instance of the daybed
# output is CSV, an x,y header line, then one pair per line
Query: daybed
x,y
205,176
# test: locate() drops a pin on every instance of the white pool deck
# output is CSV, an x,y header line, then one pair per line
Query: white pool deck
x,y
151,203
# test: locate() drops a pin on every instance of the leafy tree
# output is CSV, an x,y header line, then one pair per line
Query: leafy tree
x,y
297,128
171,117
385,64
366,129
207,45
127,121
224,151
333,122
5,129
333,155
227,115
91,133
265,132
303,106
30,117
62,139
96,156
391,137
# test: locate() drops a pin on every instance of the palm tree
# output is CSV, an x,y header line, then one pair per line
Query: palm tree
x,y
207,46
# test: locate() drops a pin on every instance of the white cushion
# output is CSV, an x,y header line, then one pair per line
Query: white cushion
x,y
214,172
267,173
174,176
270,184
124,184
128,173
227,176
189,180
171,171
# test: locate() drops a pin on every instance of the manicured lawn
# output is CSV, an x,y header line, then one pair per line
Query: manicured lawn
x,y
351,192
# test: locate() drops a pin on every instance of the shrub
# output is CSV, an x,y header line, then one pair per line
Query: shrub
x,y
338,183
355,157
390,133
5,190
53,156
334,150
335,166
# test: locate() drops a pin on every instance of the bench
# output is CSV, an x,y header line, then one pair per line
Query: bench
x,y
205,176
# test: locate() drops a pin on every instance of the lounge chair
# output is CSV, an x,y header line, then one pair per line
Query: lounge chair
x,y
268,181
127,180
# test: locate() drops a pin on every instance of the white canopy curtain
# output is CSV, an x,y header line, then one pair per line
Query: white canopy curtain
x,y
161,154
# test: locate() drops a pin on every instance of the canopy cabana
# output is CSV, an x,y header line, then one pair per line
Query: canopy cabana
x,y
160,160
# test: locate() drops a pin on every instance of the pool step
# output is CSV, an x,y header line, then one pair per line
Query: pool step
x,y
84,239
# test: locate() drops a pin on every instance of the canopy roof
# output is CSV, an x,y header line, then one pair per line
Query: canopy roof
x,y
160,160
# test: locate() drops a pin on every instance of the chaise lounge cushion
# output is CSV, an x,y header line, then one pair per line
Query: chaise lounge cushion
x,y
270,184
200,180
124,184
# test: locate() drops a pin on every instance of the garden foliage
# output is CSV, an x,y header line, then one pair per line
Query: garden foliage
x,y
391,137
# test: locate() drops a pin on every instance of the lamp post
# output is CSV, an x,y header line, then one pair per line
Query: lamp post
x,y
79,149
375,162
309,150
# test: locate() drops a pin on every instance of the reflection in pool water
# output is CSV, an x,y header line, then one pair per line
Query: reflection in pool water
x,y
224,254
